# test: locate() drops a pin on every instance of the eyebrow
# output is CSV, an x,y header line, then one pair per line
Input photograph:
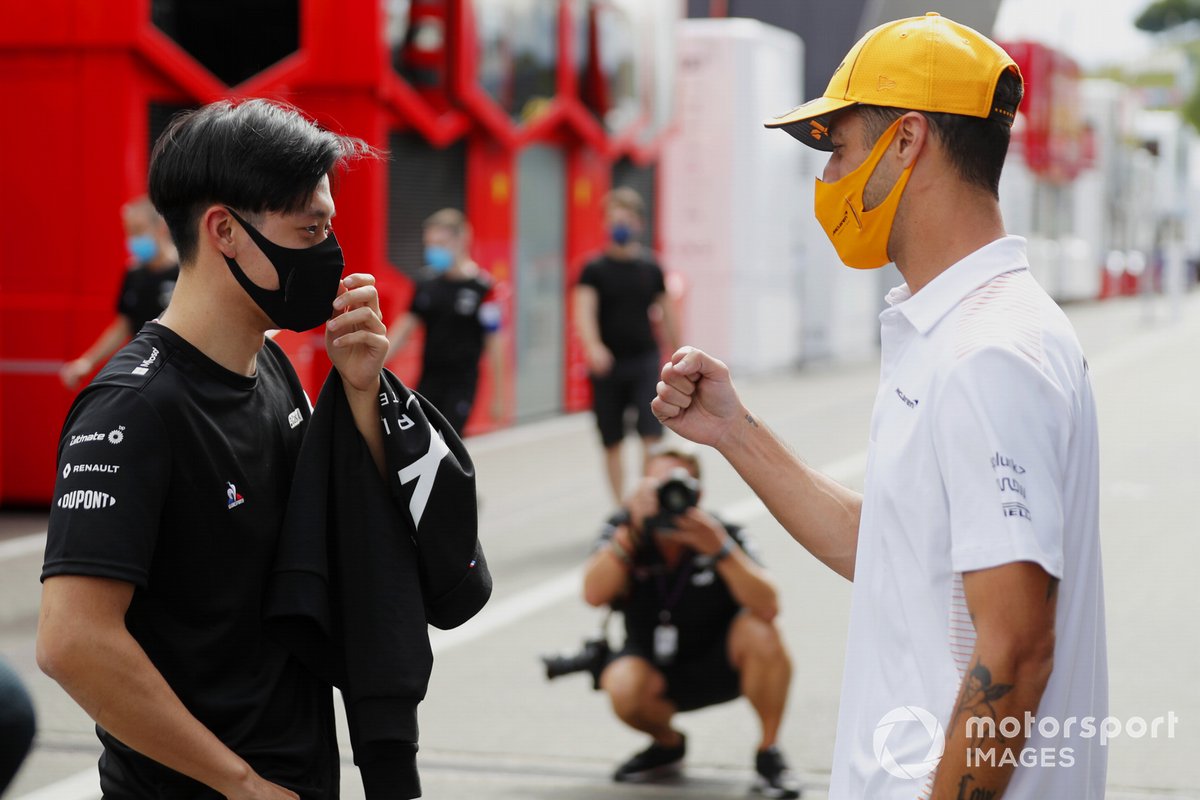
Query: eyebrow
x,y
318,212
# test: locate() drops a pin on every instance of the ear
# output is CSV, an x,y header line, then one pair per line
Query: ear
x,y
912,137
217,226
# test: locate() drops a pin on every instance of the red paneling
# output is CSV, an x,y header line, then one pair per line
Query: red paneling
x,y
82,73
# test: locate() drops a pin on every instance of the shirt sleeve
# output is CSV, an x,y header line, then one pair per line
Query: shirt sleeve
x,y
113,471
490,314
127,296
660,281
590,275
1000,437
419,307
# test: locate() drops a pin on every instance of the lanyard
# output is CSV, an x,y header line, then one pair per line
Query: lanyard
x,y
669,600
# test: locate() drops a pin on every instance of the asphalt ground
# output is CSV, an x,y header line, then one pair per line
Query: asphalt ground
x,y
493,727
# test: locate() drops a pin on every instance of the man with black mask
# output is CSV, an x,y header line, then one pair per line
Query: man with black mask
x,y
699,621
176,463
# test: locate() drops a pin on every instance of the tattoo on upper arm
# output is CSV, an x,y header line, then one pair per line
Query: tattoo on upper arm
x,y
979,693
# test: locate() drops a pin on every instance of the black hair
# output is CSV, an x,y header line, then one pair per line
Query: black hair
x,y
976,146
254,155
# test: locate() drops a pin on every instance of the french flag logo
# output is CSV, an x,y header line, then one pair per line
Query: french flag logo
x,y
232,498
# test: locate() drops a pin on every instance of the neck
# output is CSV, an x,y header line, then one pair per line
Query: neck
x,y
463,269
209,316
623,252
935,235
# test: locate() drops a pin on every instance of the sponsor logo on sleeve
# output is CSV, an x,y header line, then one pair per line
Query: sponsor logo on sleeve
x,y
86,500
115,436
144,367
232,498
1009,485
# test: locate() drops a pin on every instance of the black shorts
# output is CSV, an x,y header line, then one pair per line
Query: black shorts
x,y
452,392
699,682
631,383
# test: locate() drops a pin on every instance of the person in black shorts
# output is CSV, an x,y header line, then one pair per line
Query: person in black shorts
x,y
617,294
145,290
699,626
456,304
175,466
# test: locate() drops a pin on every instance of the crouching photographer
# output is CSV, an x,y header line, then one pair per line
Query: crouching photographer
x,y
699,613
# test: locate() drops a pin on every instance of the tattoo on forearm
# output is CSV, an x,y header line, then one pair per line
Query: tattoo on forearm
x,y
1051,589
978,695
751,420
968,792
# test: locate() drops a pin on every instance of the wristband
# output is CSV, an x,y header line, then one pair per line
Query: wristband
x,y
724,552
620,552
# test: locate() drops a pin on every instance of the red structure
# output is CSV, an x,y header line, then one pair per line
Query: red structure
x,y
1051,129
468,87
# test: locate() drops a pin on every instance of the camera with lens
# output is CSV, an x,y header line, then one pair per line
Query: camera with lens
x,y
679,492
593,658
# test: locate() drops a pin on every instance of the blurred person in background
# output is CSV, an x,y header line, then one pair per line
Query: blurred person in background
x,y
618,293
699,614
455,303
17,724
974,548
145,291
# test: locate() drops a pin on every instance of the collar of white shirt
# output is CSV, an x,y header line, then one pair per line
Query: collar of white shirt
x,y
926,308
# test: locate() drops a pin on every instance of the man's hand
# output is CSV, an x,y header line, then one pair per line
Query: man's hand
x,y
356,337
255,787
641,503
73,372
696,397
599,360
698,530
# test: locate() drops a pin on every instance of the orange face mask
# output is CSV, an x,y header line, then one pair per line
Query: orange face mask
x,y
860,237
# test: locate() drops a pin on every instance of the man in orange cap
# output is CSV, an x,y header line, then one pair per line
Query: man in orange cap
x,y
976,648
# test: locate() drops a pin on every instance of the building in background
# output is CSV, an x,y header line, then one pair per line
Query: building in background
x,y
521,112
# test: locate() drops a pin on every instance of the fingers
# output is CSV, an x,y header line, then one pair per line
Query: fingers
x,y
354,297
361,318
696,364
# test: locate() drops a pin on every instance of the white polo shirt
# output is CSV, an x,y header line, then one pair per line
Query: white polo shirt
x,y
983,452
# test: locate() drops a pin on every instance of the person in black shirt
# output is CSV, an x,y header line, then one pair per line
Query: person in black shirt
x,y
175,465
699,625
616,295
455,304
145,290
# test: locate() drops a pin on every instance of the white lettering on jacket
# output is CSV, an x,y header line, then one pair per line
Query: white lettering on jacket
x,y
424,472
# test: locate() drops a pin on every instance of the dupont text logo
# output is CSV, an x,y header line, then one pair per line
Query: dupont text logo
x,y
86,500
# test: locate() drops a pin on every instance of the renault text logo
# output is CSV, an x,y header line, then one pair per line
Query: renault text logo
x,y
907,716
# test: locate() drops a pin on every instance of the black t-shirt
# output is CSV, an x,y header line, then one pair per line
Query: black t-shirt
x,y
458,315
173,475
145,294
625,290
693,592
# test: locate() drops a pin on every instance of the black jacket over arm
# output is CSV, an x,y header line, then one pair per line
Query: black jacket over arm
x,y
364,564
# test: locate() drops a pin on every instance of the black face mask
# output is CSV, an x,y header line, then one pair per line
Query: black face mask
x,y
308,280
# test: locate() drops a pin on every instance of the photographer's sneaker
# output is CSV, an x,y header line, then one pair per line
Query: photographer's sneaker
x,y
653,763
774,777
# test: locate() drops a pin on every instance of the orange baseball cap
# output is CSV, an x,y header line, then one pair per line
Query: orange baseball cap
x,y
927,63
